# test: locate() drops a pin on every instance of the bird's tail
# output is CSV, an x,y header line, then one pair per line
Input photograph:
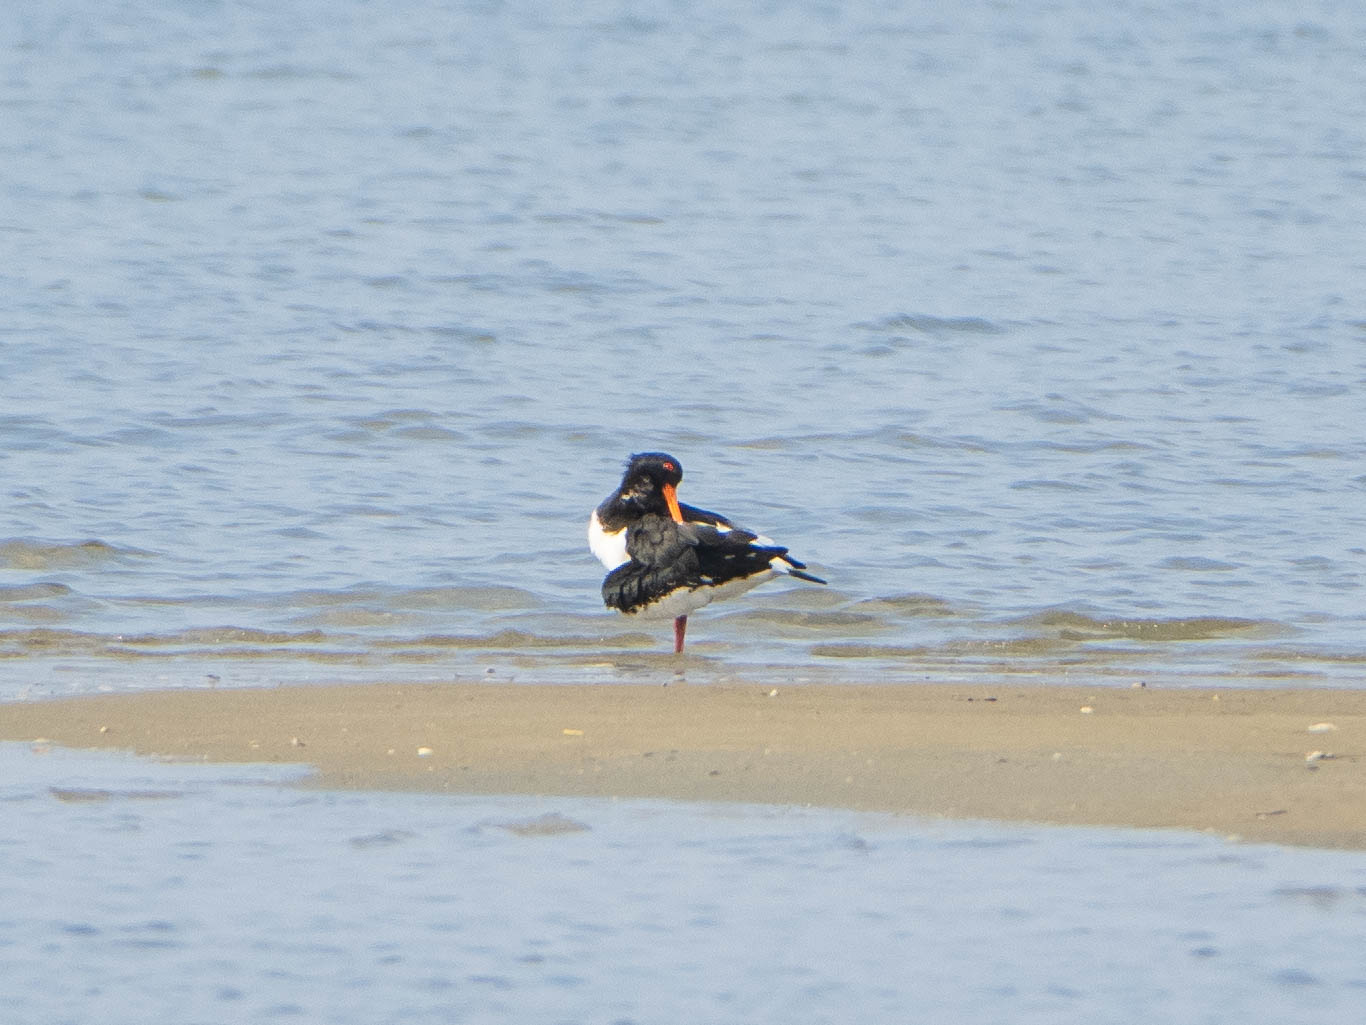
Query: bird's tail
x,y
798,569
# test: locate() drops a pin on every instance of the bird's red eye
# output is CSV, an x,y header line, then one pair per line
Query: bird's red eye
x,y
670,466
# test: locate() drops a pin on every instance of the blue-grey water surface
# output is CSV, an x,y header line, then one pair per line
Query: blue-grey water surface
x,y
140,892
1036,328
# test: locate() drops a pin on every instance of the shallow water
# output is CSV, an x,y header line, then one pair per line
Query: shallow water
x,y
1036,331
133,891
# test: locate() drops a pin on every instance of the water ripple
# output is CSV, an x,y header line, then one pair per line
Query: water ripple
x,y
26,554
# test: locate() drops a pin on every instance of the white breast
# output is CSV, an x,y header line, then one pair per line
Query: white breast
x,y
609,548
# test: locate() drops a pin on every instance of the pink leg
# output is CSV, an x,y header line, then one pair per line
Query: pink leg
x,y
680,628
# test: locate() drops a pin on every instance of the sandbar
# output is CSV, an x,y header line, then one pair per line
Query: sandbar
x,y
1281,766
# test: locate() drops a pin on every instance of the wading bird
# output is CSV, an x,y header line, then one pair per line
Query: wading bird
x,y
667,559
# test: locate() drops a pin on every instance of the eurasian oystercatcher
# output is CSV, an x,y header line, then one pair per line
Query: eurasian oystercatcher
x,y
668,559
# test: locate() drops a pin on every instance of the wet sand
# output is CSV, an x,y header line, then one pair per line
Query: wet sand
x,y
1235,762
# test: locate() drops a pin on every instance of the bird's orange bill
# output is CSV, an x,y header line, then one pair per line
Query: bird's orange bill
x,y
672,499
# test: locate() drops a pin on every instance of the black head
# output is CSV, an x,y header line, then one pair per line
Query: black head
x,y
650,479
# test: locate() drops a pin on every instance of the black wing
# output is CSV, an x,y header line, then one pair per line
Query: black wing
x,y
662,560
724,555
692,514
666,556
727,543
